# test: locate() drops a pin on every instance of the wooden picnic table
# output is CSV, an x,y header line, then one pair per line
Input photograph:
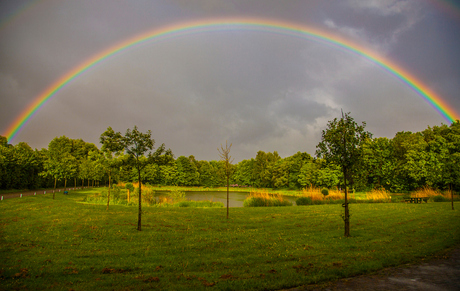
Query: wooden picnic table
x,y
416,199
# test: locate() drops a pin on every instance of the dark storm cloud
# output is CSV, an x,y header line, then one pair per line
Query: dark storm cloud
x,y
259,91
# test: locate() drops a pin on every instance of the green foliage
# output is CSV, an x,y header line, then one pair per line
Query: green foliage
x,y
303,201
325,191
341,144
260,201
176,195
402,164
439,198
129,186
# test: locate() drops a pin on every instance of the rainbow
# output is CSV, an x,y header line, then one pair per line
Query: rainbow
x,y
245,24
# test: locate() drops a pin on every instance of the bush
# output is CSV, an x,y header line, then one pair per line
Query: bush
x,y
325,192
130,187
255,202
439,198
303,201
115,192
177,195
260,202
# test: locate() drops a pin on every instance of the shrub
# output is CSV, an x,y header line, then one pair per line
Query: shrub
x,y
303,201
439,198
148,195
130,187
256,202
263,198
177,195
325,191
115,192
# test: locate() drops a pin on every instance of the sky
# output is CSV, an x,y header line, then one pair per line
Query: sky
x,y
255,89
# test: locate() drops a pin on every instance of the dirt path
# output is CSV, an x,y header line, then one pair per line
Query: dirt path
x,y
440,273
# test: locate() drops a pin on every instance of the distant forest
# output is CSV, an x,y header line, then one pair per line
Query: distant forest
x,y
404,163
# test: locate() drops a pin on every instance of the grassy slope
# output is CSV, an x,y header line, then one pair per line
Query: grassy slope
x,y
62,244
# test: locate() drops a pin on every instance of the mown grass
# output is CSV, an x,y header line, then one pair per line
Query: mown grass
x,y
62,244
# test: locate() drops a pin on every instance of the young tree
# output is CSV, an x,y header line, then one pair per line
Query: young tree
x,y
112,147
137,144
225,157
341,144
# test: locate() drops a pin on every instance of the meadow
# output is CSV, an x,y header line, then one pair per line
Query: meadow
x,y
65,244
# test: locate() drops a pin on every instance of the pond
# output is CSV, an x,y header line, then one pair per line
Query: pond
x,y
236,199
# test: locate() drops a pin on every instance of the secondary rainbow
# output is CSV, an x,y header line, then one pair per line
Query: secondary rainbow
x,y
240,24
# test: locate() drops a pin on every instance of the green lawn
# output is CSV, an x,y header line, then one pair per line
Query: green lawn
x,y
62,244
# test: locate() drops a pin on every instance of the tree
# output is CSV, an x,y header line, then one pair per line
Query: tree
x,y
137,144
60,163
112,146
341,144
227,159
187,171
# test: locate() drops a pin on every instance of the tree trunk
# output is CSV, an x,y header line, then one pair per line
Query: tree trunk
x,y
108,195
140,201
75,180
54,186
227,189
347,214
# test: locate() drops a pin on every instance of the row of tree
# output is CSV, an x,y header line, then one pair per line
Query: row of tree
x,y
404,163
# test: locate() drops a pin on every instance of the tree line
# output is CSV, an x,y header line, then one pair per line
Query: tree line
x,y
403,163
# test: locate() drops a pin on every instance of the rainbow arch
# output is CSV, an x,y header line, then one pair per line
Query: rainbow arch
x,y
245,24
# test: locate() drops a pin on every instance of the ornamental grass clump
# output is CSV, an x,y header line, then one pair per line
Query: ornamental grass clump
x,y
262,198
319,196
378,195
427,192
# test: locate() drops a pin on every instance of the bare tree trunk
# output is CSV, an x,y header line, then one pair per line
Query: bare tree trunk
x,y
140,202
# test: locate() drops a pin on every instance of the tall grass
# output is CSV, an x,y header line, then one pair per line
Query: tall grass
x,y
426,192
314,193
380,195
258,198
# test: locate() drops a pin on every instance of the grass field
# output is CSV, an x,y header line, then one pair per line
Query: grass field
x,y
62,244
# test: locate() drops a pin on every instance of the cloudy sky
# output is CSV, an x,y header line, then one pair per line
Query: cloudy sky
x,y
258,90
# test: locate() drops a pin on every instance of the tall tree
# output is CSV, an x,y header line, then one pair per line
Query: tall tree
x,y
227,159
341,144
137,144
